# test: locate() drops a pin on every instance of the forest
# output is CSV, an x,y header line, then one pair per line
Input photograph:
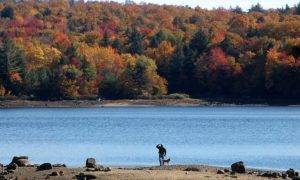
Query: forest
x,y
67,49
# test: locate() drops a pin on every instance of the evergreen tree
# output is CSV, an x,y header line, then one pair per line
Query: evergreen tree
x,y
188,70
229,48
12,67
257,8
8,12
237,10
284,10
158,38
116,44
47,11
176,69
199,43
41,84
136,42
154,43
110,88
105,42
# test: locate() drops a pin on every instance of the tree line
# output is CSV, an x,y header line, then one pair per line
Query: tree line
x,y
63,49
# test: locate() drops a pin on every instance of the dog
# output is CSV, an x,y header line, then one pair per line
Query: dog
x,y
166,162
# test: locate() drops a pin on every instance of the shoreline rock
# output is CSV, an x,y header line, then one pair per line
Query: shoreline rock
x,y
45,166
90,163
58,170
238,167
21,161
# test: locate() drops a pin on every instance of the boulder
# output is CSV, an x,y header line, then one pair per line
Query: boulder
x,y
276,175
2,177
59,165
4,173
90,163
10,171
226,170
192,169
54,173
284,176
107,169
61,173
99,168
291,173
271,175
83,176
12,166
21,161
220,172
238,167
45,166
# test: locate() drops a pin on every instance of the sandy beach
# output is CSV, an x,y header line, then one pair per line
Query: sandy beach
x,y
167,172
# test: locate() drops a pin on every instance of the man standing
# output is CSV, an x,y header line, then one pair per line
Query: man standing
x,y
162,152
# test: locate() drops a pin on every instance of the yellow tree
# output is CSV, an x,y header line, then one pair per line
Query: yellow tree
x,y
38,55
162,56
34,56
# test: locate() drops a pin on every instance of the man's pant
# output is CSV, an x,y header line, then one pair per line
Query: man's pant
x,y
161,159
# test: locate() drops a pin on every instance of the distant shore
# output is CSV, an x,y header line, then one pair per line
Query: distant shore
x,y
99,103
188,102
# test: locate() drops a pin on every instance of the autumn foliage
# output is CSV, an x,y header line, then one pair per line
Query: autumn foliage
x,y
62,49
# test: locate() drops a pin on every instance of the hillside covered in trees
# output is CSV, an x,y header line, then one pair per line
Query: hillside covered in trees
x,y
61,49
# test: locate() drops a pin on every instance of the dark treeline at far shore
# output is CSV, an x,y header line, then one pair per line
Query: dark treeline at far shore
x,y
53,50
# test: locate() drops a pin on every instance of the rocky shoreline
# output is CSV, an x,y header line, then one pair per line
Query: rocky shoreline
x,y
103,103
20,168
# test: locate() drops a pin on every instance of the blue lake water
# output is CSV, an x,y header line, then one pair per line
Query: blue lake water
x,y
263,137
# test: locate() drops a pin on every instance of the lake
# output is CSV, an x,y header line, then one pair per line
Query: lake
x,y
262,137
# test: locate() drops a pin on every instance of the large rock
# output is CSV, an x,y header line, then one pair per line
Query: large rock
x,y
12,166
55,173
238,167
291,173
83,176
284,176
226,170
21,161
90,163
271,175
220,172
107,169
59,165
2,177
192,169
45,166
